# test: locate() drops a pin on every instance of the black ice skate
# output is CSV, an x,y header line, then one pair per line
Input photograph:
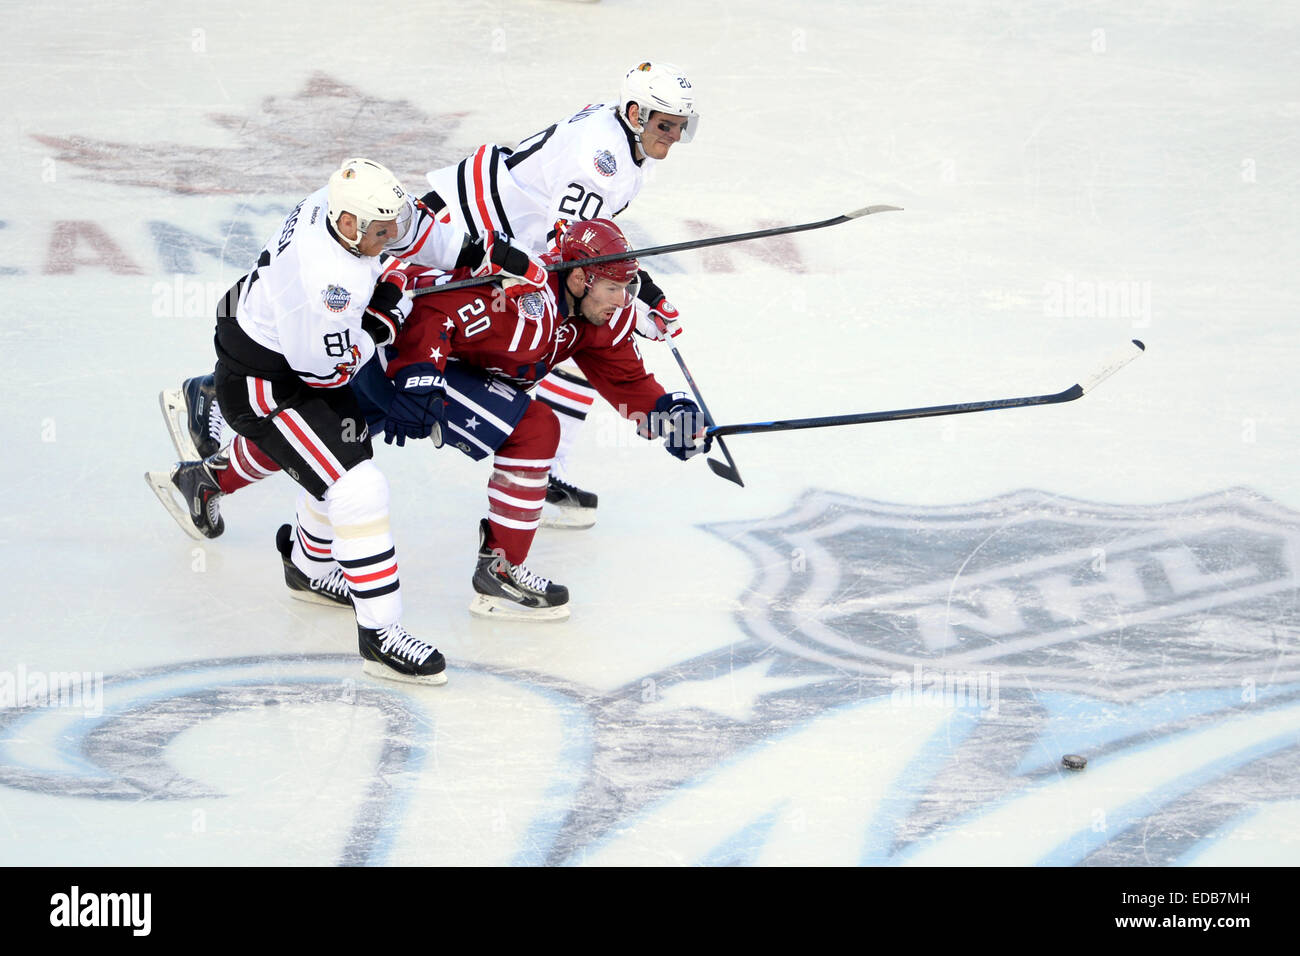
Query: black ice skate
x,y
567,506
392,653
197,511
510,592
330,589
192,416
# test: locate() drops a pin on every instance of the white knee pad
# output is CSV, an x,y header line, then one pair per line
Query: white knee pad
x,y
360,496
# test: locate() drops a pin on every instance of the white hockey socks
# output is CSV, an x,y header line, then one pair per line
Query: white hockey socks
x,y
363,544
313,537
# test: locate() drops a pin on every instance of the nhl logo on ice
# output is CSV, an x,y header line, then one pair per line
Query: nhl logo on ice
x,y
606,164
1115,601
336,298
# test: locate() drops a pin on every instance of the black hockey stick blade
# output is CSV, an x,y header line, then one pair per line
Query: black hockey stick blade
x,y
1077,391
729,470
673,247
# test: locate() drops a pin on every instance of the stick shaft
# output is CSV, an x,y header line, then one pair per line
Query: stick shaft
x,y
865,418
671,247
1112,365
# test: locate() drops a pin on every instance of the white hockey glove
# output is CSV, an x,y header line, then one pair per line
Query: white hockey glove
x,y
656,318
495,255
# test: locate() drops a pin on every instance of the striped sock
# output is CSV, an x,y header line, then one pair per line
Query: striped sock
x,y
516,493
363,544
248,464
313,538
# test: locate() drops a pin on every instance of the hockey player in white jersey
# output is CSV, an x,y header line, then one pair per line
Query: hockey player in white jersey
x,y
587,166
290,335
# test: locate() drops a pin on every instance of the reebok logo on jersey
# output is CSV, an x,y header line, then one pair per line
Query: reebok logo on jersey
x,y
606,164
336,298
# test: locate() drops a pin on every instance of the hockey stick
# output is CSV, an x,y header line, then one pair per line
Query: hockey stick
x,y
1117,362
729,470
671,247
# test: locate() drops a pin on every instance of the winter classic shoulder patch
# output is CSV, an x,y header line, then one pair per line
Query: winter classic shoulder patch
x,y
606,164
336,298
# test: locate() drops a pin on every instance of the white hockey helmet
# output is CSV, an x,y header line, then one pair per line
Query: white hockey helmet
x,y
661,87
371,193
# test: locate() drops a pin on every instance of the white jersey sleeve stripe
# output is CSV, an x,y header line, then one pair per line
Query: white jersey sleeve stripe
x,y
627,319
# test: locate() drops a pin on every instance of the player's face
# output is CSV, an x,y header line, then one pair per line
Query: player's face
x,y
380,233
604,298
661,131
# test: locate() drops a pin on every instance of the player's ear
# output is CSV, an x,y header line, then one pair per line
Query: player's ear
x,y
347,225
633,113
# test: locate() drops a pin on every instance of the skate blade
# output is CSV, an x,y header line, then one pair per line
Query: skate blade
x,y
161,483
315,597
558,516
498,610
376,669
172,401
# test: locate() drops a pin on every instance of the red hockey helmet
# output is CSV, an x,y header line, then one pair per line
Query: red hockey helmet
x,y
600,237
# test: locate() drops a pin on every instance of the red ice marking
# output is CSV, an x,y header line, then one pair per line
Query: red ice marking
x,y
62,256
774,250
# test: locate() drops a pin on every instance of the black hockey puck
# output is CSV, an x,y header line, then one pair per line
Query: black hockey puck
x,y
1074,762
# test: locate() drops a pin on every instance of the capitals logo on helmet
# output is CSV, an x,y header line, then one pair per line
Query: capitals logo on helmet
x,y
599,237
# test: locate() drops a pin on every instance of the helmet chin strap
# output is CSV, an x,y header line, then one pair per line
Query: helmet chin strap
x,y
634,131
349,244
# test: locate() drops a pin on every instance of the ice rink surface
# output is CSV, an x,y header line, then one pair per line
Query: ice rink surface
x,y
878,650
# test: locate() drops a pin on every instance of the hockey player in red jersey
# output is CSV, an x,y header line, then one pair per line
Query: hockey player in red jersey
x,y
586,166
461,370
